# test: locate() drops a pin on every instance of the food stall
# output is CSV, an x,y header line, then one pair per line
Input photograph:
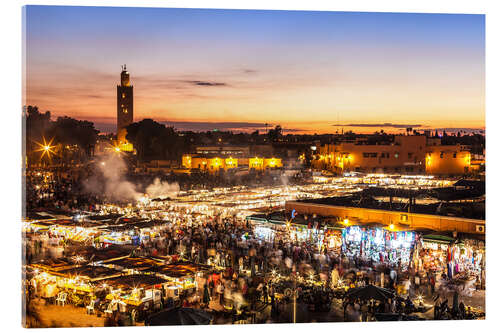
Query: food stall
x,y
36,226
54,264
149,230
79,282
117,237
135,265
44,285
182,276
138,294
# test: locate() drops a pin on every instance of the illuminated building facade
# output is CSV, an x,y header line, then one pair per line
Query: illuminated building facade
x,y
217,163
414,154
261,164
447,160
217,158
414,221
236,151
125,108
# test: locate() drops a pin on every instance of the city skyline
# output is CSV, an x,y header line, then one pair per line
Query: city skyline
x,y
237,70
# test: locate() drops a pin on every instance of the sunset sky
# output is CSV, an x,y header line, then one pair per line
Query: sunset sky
x,y
229,69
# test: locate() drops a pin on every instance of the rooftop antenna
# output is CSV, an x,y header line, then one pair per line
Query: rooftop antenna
x,y
338,123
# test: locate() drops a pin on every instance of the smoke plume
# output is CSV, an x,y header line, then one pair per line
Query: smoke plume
x,y
284,179
109,180
159,189
115,186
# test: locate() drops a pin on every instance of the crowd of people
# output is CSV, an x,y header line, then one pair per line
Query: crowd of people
x,y
59,190
255,270
71,189
251,265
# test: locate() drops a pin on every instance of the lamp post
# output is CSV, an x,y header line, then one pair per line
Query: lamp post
x,y
294,296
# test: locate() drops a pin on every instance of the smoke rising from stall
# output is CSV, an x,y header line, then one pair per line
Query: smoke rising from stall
x,y
112,168
159,189
110,180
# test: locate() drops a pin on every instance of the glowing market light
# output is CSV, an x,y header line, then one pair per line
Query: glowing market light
x,y
391,226
79,259
143,200
346,221
45,148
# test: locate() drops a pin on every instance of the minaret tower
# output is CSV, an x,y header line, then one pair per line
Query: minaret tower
x,y
125,106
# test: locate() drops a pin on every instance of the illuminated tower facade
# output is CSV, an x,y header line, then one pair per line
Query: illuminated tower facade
x,y
125,106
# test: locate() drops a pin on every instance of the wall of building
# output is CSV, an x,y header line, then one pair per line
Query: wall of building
x,y
447,160
412,220
210,164
256,163
214,164
407,154
272,163
261,164
235,151
261,150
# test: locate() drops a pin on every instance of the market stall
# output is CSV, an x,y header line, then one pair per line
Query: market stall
x,y
138,294
135,265
182,276
431,252
378,244
77,231
78,283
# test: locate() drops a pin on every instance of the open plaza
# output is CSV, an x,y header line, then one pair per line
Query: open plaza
x,y
346,248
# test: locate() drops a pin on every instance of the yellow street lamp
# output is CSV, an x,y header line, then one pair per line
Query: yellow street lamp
x,y
46,148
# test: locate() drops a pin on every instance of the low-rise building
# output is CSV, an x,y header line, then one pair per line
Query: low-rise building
x,y
261,164
416,154
216,163
213,159
447,160
235,151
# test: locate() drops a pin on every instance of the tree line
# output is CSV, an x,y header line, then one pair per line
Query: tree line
x,y
155,141
68,138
